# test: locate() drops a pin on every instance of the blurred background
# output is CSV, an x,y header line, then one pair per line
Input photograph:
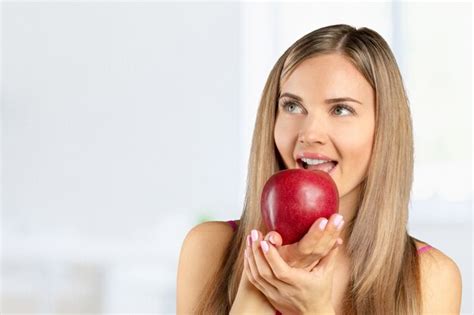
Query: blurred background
x,y
126,124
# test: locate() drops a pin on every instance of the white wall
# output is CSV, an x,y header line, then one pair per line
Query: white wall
x,y
126,124
120,132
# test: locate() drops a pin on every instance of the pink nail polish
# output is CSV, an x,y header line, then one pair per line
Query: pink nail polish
x,y
340,225
254,235
323,224
338,219
264,246
272,240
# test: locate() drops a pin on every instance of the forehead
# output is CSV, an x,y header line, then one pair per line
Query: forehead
x,y
327,76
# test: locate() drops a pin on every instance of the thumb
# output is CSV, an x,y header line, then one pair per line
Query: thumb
x,y
274,238
328,262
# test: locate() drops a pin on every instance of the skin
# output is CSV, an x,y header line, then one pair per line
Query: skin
x,y
314,126
314,264
342,131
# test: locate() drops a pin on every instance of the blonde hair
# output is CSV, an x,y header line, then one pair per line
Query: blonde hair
x,y
384,277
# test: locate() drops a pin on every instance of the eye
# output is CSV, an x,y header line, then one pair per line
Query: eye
x,y
290,106
341,108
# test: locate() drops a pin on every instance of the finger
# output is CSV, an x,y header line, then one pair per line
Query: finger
x,y
274,238
264,269
303,254
311,239
339,242
328,262
287,252
332,261
280,269
330,234
332,231
250,271
248,274
260,270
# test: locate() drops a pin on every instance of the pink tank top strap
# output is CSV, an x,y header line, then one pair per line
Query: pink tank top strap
x,y
233,224
423,249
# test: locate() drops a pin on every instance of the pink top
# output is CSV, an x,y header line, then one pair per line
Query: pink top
x,y
233,224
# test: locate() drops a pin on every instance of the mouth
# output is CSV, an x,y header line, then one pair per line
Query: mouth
x,y
325,166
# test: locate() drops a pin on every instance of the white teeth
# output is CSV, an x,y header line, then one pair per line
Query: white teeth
x,y
314,161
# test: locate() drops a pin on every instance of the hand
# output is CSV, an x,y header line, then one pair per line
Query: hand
x,y
313,246
250,300
291,289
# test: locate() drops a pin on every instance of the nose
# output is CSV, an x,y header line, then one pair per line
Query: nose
x,y
313,131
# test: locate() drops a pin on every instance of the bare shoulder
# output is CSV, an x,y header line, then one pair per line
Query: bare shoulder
x,y
209,236
201,251
441,282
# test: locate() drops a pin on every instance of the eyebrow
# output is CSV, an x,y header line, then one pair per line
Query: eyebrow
x,y
328,101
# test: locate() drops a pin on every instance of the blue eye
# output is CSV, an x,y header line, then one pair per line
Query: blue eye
x,y
339,109
289,104
342,107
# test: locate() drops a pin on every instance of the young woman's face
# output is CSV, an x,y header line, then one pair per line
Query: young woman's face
x,y
340,130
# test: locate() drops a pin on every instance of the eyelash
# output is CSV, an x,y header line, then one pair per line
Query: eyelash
x,y
344,106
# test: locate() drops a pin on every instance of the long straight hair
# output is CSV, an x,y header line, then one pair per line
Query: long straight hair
x,y
384,272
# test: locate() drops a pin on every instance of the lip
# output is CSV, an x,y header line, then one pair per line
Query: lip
x,y
330,172
310,155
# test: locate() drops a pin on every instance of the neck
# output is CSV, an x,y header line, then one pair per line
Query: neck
x,y
348,207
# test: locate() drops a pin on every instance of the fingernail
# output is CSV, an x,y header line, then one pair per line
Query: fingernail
x,y
339,241
340,225
249,243
264,246
323,224
272,240
337,220
245,252
254,235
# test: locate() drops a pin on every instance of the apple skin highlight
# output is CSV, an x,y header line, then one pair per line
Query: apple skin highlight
x,y
292,200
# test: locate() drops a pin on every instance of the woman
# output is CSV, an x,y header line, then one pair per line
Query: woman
x,y
336,95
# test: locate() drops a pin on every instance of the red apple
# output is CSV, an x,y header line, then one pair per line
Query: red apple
x,y
293,199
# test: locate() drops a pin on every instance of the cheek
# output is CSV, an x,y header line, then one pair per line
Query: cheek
x,y
285,135
356,147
